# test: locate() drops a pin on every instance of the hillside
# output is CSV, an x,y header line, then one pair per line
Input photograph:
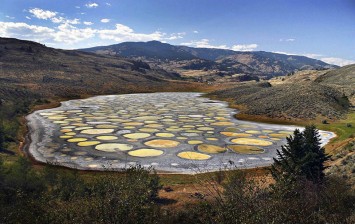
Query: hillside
x,y
342,79
301,76
262,64
305,95
36,69
32,70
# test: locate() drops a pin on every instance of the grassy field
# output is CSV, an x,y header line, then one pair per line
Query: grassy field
x,y
344,128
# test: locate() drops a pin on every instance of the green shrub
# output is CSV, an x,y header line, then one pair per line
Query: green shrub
x,y
243,200
63,196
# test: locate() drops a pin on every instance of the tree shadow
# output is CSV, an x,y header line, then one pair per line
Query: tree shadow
x,y
165,201
8,152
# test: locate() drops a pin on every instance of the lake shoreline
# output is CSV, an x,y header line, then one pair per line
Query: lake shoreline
x,y
160,171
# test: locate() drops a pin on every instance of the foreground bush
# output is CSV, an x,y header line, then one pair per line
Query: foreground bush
x,y
30,196
54,195
245,201
110,198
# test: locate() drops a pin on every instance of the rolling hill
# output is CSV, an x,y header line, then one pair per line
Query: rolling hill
x,y
304,95
32,68
260,63
342,79
151,50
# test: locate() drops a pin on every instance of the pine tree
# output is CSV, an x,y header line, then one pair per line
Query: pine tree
x,y
313,162
285,167
301,157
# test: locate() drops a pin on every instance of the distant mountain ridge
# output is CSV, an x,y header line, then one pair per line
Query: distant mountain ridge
x,y
151,49
254,62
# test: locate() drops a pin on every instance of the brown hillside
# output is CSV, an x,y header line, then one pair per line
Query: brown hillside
x,y
31,68
296,101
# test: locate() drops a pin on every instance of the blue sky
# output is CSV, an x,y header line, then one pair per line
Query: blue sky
x,y
322,29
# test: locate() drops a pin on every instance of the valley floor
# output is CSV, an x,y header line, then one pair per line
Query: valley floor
x,y
180,190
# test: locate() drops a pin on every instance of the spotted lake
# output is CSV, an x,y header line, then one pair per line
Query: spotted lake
x,y
172,132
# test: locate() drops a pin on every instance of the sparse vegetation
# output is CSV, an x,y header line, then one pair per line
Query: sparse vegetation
x,y
286,102
342,164
49,194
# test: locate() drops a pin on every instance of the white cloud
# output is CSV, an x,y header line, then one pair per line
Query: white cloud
x,y
175,36
25,31
46,14
73,21
204,43
58,19
70,34
77,7
108,4
195,31
282,52
27,17
337,61
244,47
105,20
91,5
66,34
288,40
329,60
125,33
10,17
64,20
310,55
42,14
88,23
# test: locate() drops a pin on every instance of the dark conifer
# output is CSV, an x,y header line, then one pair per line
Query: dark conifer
x,y
285,166
301,157
313,163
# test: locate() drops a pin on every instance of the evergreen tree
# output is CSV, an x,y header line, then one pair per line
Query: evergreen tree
x,y
301,157
313,163
285,167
